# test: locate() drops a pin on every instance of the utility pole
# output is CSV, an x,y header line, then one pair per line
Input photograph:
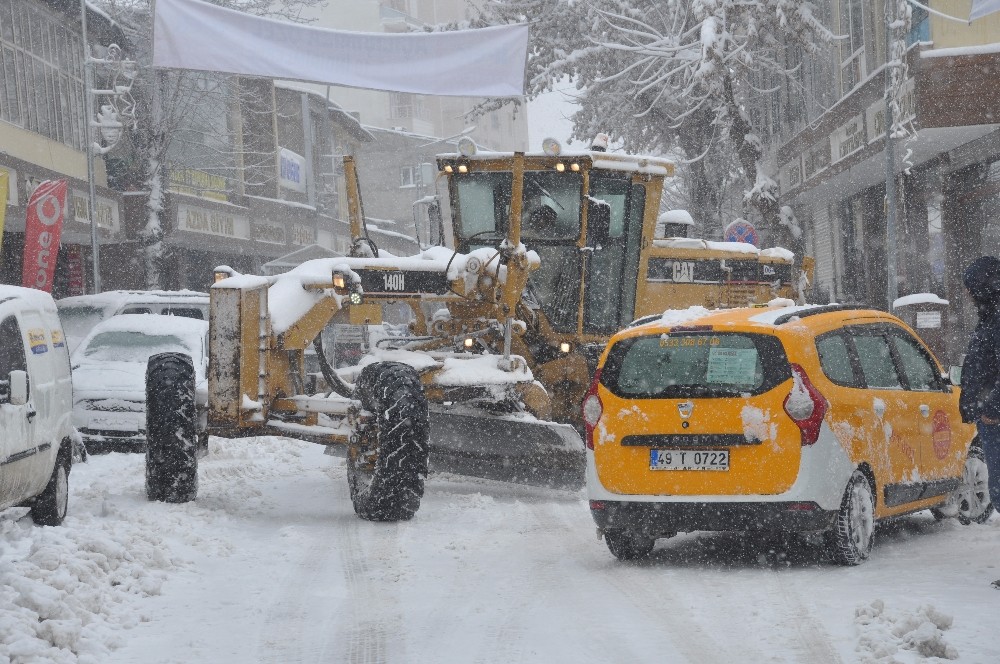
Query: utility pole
x,y
88,81
892,289
120,107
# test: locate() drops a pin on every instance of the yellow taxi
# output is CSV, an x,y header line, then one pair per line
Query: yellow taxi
x,y
813,419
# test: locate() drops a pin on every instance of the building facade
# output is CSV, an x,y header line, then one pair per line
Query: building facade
x,y
43,136
826,131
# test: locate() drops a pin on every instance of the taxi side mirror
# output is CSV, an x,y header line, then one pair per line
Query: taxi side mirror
x,y
955,374
18,387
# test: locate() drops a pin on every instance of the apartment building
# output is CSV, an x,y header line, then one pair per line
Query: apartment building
x,y
43,136
826,135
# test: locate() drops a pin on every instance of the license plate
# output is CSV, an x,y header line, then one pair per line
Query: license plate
x,y
689,459
109,422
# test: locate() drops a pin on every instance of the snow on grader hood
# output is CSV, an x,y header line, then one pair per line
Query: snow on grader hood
x,y
545,257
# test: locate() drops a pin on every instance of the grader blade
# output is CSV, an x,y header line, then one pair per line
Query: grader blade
x,y
507,448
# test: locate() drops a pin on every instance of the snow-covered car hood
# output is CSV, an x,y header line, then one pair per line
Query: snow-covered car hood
x,y
122,380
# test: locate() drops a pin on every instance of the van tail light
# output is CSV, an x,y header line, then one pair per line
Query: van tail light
x,y
805,405
592,410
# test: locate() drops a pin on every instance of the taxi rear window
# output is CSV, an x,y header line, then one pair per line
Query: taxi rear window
x,y
702,364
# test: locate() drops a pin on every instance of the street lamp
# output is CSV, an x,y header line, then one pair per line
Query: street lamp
x,y
119,108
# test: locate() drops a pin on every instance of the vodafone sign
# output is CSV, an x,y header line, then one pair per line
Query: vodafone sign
x,y
42,229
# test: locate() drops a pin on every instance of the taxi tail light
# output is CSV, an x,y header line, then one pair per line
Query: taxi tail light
x,y
592,410
805,405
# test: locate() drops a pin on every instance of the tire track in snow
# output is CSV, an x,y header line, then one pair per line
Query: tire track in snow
x,y
372,614
813,644
296,623
632,583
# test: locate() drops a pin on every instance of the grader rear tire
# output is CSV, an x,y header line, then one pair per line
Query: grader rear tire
x,y
386,467
171,429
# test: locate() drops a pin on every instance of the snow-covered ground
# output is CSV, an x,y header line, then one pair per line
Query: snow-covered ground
x,y
271,565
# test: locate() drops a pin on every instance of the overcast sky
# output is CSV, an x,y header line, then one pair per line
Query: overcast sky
x,y
549,116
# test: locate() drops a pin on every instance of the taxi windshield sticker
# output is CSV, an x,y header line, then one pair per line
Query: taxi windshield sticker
x,y
732,366
36,339
57,339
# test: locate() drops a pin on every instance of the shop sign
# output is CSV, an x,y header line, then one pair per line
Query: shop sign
x,y
106,209
848,138
790,175
875,114
303,235
928,319
198,183
212,222
268,232
292,171
816,159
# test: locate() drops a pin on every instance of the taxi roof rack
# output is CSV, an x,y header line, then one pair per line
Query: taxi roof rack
x,y
823,309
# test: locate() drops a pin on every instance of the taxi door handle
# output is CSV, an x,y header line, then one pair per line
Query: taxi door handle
x,y
925,410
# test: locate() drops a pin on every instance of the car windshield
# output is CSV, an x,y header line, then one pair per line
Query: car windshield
x,y
130,346
79,320
682,365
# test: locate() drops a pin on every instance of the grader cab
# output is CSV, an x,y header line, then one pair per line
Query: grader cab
x,y
544,256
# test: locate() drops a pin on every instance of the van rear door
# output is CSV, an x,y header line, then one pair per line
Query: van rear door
x,y
697,412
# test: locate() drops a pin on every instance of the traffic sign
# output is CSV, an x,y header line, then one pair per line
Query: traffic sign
x,y
741,230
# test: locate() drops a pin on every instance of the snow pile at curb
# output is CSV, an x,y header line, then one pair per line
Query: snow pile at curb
x,y
884,632
68,598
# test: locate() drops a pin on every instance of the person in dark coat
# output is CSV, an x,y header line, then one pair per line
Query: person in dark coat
x,y
980,398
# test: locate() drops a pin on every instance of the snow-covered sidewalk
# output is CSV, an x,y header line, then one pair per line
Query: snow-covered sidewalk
x,y
271,565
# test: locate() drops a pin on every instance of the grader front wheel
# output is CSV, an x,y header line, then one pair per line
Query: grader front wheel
x,y
387,465
171,429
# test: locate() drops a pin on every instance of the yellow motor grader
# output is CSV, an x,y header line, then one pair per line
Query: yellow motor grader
x,y
541,258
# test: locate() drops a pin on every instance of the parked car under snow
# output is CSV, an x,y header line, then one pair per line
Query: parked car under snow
x,y
109,375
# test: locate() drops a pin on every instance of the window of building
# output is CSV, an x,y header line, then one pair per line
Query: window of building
x,y
41,78
400,105
408,176
852,49
920,26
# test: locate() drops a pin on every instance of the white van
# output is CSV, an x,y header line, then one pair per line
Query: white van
x,y
36,406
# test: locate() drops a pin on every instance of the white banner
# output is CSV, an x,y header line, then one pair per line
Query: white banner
x,y
981,8
489,62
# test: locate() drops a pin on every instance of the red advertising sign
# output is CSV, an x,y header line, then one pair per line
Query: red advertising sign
x,y
42,229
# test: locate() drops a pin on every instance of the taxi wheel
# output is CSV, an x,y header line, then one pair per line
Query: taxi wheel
x,y
974,505
625,545
850,540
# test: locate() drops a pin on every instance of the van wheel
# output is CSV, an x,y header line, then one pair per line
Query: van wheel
x,y
387,464
625,545
49,508
171,433
850,540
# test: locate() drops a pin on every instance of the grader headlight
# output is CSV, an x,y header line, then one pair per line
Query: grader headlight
x,y
356,297
564,347
339,281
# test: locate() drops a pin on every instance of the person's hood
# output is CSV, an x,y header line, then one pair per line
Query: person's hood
x,y
982,278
